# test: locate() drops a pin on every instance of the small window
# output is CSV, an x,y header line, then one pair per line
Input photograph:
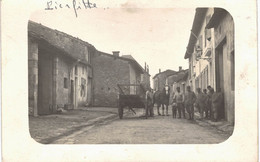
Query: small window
x,y
66,83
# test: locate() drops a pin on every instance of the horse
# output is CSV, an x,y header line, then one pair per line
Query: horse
x,y
162,98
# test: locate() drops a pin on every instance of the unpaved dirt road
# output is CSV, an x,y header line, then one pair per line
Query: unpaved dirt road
x,y
134,129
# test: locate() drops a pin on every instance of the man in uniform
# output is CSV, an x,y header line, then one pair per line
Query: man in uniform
x,y
201,102
174,106
149,102
209,102
189,100
217,102
179,99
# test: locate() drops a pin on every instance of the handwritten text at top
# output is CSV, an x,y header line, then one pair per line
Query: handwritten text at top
x,y
75,5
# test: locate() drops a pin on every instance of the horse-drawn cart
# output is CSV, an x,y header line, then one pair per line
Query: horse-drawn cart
x,y
131,96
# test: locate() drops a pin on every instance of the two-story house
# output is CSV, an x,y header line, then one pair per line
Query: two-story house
x,y
159,80
109,70
211,55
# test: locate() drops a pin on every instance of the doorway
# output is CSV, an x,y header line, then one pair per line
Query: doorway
x,y
76,93
220,77
45,77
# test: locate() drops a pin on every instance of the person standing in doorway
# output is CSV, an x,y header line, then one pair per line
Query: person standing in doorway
x,y
201,102
179,98
206,104
209,102
189,100
217,103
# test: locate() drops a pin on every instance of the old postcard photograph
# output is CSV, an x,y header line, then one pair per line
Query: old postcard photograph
x,y
129,81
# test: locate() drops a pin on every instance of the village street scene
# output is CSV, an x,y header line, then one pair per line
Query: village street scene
x,y
80,94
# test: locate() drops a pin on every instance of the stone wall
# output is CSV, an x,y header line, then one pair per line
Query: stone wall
x,y
66,73
33,76
63,89
108,71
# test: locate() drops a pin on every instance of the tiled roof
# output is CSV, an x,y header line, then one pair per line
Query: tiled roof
x,y
128,58
180,75
166,72
68,44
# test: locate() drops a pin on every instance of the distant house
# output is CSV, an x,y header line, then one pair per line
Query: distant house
x,y
211,55
145,76
159,80
177,79
109,70
59,70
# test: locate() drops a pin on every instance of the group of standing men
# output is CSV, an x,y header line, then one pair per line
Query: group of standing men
x,y
208,102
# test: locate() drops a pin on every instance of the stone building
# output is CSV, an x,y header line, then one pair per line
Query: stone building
x,y
159,80
200,51
211,50
59,70
109,70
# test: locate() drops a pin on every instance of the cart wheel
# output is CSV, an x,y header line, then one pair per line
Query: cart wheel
x,y
120,112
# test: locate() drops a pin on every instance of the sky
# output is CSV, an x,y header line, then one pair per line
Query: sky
x,y
157,36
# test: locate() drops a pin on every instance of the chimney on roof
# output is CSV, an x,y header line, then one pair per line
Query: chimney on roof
x,y
145,66
159,70
180,68
116,53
